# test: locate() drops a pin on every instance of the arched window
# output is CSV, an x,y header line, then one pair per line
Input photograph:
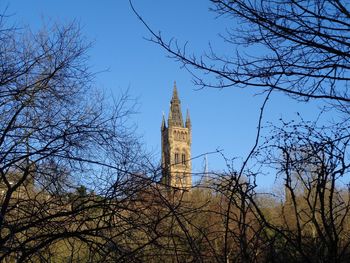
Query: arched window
x,y
183,158
176,158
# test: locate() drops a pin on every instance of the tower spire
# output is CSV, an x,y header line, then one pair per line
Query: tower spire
x,y
175,114
175,95
163,121
188,120
206,165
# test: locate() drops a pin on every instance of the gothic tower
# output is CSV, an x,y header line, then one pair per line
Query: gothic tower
x,y
176,147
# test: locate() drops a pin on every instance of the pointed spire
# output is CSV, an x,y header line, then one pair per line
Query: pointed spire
x,y
188,120
175,96
163,122
175,114
206,165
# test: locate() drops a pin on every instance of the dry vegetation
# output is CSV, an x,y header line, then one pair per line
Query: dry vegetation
x,y
76,186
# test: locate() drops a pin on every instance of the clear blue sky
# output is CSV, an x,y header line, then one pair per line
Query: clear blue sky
x,y
221,119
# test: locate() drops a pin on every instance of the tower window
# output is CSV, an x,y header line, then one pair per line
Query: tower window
x,y
183,158
176,158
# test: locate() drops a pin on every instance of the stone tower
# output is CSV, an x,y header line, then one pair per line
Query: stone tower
x,y
176,147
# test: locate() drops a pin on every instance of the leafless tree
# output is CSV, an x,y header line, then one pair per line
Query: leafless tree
x,y
57,132
303,48
311,225
303,53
